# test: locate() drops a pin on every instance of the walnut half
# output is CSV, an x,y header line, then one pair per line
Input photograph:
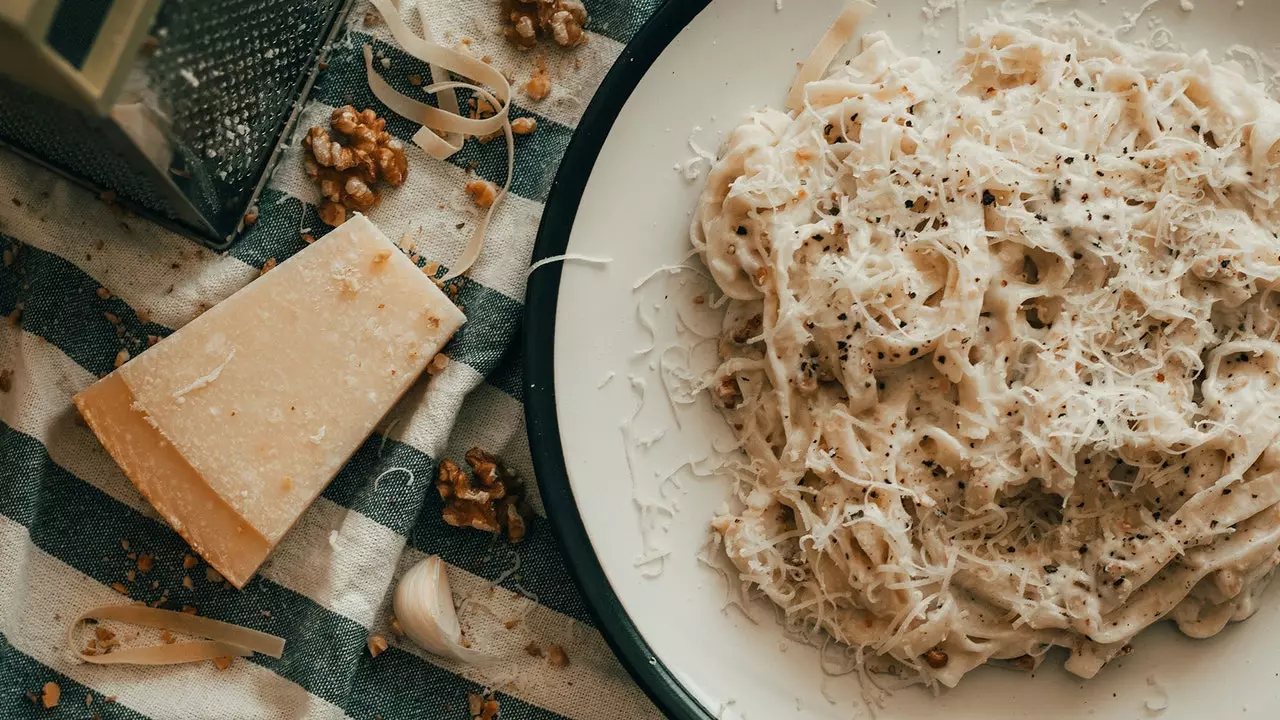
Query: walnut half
x,y
526,21
490,499
347,164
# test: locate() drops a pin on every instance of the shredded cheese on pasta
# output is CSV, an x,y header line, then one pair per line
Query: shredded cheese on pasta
x,y
1002,347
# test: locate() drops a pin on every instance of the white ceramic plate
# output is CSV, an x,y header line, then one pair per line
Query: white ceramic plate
x,y
697,68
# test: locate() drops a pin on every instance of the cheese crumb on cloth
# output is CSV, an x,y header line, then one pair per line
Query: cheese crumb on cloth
x,y
82,286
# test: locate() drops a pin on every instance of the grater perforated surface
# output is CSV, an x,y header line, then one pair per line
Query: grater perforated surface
x,y
229,73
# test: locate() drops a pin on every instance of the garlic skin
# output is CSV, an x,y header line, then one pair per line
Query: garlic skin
x,y
424,606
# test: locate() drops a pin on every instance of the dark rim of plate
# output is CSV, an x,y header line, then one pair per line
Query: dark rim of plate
x,y
622,635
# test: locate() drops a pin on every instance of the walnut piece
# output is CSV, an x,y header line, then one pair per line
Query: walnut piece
x,y
51,693
526,21
557,657
539,85
464,505
524,125
347,165
377,645
490,499
482,192
520,23
566,23
332,213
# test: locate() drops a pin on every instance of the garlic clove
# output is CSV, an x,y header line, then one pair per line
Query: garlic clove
x,y
424,606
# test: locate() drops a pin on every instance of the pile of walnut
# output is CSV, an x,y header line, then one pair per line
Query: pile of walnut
x,y
524,21
493,501
348,164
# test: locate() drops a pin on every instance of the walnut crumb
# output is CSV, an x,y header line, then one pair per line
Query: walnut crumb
x,y
122,357
212,575
187,582
438,364
103,293
166,637
308,238
120,588
189,561
557,657
190,610
539,85
381,256
415,79
482,192
222,663
511,624
267,266
474,702
533,648
251,217
489,710
50,695
524,125
145,562
332,214
395,625
131,575
377,645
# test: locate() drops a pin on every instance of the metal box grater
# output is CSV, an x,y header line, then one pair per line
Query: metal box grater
x,y
179,107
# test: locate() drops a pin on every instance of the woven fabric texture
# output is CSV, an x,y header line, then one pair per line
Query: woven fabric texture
x,y
81,281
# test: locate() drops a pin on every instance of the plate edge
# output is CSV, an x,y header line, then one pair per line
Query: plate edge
x,y
541,298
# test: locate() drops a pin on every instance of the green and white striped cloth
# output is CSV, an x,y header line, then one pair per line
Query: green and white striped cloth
x,y
67,512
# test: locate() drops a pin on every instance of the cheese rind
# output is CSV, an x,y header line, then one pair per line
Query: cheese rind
x,y
204,520
265,396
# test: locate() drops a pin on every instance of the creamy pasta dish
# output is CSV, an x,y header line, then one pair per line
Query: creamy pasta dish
x,y
1002,347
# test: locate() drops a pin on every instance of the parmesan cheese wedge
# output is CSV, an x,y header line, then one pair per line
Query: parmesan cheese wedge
x,y
233,425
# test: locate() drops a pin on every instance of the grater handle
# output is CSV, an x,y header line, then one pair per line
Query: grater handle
x,y
107,65
29,59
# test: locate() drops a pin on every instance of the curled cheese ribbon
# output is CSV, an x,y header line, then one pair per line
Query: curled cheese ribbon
x,y
225,639
447,119
825,51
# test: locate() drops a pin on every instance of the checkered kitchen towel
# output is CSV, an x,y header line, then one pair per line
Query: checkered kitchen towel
x,y
80,281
